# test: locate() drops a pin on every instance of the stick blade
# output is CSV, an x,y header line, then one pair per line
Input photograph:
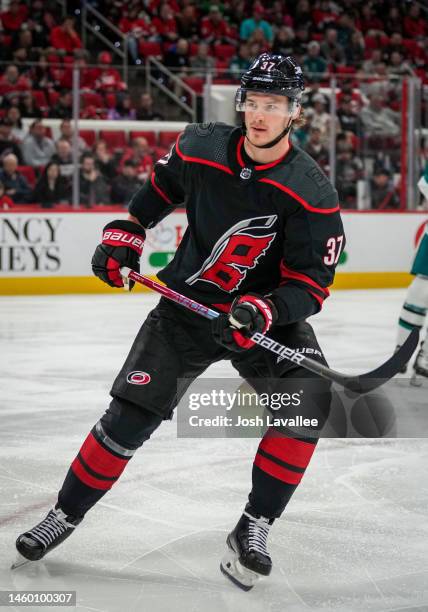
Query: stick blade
x,y
371,380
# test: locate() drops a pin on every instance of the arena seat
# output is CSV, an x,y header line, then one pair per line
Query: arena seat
x,y
149,136
92,99
114,139
150,48
89,136
28,173
195,83
224,51
166,139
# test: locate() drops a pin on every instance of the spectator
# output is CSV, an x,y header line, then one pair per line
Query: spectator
x,y
64,158
324,15
316,149
367,22
348,118
51,188
63,109
345,27
202,63
394,21
136,28
331,49
28,107
67,131
303,15
37,147
383,194
240,62
16,186
145,110
283,43
319,117
349,170
140,154
5,201
301,41
94,189
12,82
214,29
395,44
41,74
314,63
398,66
415,25
14,17
107,79
187,23
123,109
258,38
308,96
104,160
177,58
7,144
369,66
355,50
126,184
13,116
64,37
379,120
248,26
165,24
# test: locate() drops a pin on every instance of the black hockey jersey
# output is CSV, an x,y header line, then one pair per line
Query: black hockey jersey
x,y
264,228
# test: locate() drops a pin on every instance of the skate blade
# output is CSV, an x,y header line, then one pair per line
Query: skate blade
x,y
19,562
241,576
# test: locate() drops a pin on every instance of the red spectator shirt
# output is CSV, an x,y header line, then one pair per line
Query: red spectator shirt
x,y
414,28
164,26
210,29
63,40
138,27
22,84
13,23
107,80
145,164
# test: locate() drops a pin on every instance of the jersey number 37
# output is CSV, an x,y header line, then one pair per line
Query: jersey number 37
x,y
334,248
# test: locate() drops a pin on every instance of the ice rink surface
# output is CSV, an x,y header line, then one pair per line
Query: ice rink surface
x,y
354,537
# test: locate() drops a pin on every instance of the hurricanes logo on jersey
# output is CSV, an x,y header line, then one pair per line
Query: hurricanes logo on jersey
x,y
237,251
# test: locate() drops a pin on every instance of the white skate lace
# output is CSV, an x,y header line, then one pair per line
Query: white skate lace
x,y
258,532
54,525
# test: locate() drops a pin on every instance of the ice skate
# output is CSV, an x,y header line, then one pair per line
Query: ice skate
x,y
420,367
34,544
247,559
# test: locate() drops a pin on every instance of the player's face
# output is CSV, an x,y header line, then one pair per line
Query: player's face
x,y
265,116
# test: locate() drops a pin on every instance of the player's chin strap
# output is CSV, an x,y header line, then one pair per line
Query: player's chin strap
x,y
273,142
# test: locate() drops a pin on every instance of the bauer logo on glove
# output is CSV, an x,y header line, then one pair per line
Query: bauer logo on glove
x,y
122,245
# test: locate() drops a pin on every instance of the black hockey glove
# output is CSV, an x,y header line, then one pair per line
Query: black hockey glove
x,y
249,313
122,245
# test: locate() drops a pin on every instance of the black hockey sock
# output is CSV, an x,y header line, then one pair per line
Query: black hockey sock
x,y
278,468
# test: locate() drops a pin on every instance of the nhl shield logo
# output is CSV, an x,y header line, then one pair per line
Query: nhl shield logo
x,y
246,173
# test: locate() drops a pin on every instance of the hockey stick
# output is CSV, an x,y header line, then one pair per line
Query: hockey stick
x,y
356,384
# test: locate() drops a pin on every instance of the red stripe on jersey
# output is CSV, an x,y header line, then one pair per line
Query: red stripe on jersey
x,y
100,460
80,472
293,194
287,273
263,166
318,298
200,160
292,451
277,471
159,190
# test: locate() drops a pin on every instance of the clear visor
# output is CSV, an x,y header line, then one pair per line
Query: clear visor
x,y
284,107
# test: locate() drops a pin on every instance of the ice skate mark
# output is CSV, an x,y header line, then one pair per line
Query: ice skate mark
x,y
168,543
24,511
293,590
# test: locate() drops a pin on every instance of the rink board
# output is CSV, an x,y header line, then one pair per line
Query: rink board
x,y
48,253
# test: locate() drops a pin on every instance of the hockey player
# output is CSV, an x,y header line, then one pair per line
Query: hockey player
x,y
415,308
263,240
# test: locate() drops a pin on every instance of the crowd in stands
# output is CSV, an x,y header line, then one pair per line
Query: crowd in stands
x,y
37,169
370,46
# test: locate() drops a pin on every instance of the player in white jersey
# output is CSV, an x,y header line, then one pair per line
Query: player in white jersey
x,y
415,308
